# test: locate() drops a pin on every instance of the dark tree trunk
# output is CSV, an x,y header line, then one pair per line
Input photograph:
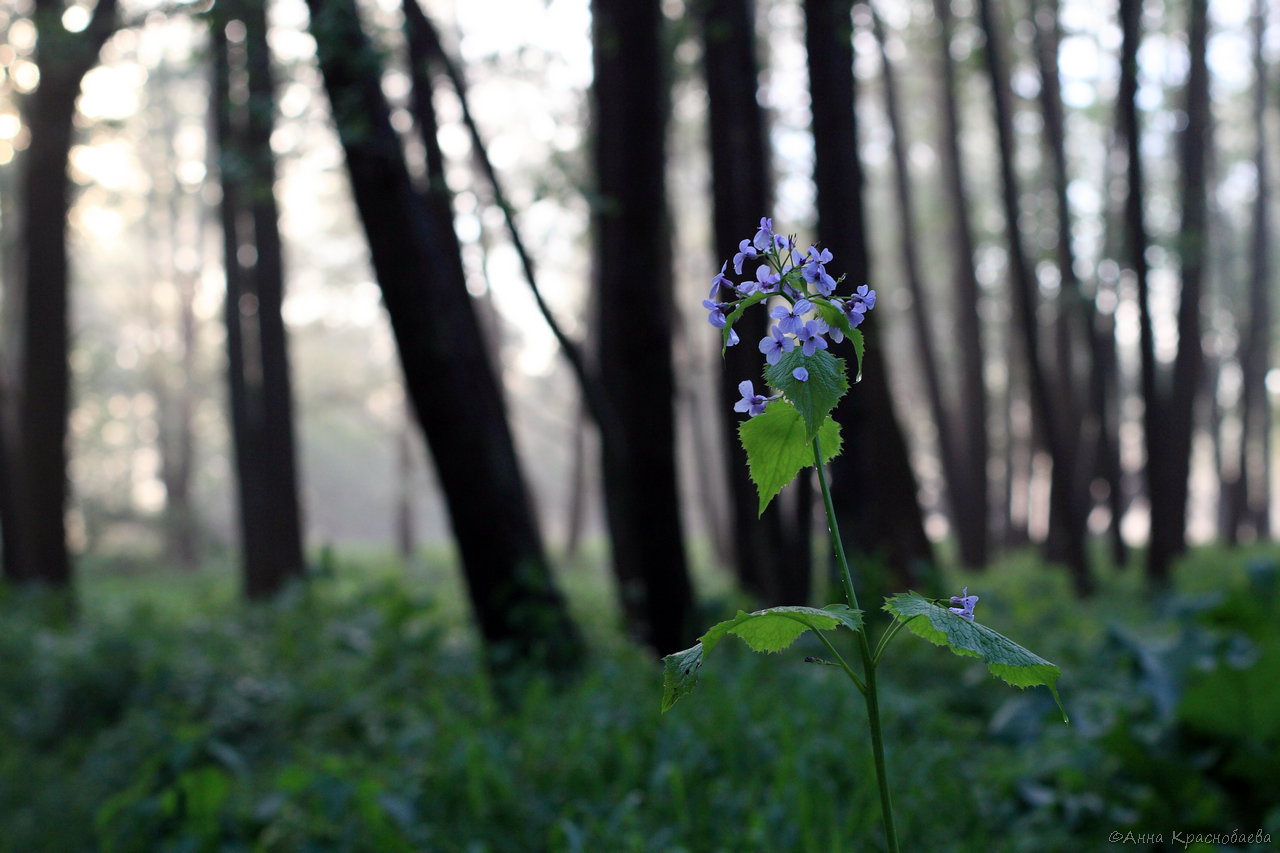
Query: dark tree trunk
x,y
973,525
43,393
872,483
966,495
740,194
261,401
1024,290
1248,495
1080,419
448,378
1168,471
633,277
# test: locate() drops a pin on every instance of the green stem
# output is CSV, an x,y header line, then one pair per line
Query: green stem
x,y
841,662
868,661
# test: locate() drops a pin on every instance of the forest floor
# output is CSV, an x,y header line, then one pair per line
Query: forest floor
x,y
353,714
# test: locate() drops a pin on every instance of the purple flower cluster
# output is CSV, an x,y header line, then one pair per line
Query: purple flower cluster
x,y
802,287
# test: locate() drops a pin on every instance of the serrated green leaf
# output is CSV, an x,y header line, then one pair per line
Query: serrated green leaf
x,y
777,447
1004,658
815,397
837,319
734,315
770,630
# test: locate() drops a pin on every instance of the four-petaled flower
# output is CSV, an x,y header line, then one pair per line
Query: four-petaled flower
x,y
866,297
962,604
791,322
766,279
746,252
810,337
775,344
815,272
751,402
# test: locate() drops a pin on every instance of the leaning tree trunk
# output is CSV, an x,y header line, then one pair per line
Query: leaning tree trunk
x,y
632,268
448,378
872,483
43,392
763,554
261,401
1024,290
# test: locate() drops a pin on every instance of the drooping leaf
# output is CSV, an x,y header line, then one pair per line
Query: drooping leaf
x,y
816,396
777,447
770,630
1004,658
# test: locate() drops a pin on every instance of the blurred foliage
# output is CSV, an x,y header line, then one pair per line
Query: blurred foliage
x,y
353,715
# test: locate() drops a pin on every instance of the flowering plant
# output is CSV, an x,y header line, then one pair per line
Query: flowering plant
x,y
793,429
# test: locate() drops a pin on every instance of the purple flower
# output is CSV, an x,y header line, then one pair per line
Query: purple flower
x,y
810,337
801,374
715,315
791,321
766,280
855,312
764,235
746,252
866,297
775,344
815,272
962,605
733,337
720,281
751,402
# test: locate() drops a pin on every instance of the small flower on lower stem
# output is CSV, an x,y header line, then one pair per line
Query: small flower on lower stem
x,y
751,402
775,344
962,605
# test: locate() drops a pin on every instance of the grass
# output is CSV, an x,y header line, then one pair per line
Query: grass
x,y
353,714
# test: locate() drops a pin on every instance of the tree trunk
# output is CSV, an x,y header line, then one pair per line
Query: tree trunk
x,y
872,483
43,392
967,508
1024,290
972,531
448,378
633,277
1248,500
740,194
261,401
1168,472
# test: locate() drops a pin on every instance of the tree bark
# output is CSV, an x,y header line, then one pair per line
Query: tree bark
x,y
261,400
448,378
43,392
872,483
633,277
764,547
1024,290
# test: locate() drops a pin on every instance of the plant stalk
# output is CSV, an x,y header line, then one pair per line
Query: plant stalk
x,y
868,662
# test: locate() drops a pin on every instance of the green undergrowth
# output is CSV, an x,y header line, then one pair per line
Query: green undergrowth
x,y
353,714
